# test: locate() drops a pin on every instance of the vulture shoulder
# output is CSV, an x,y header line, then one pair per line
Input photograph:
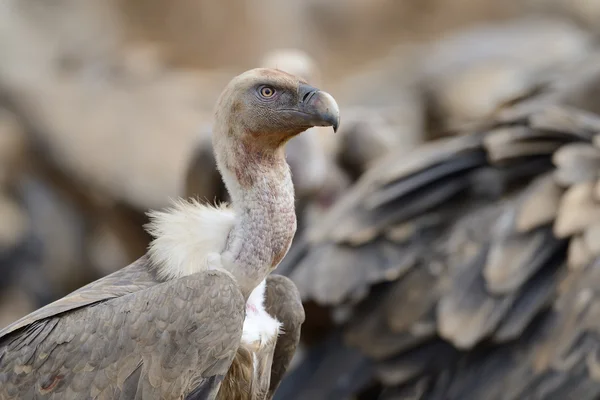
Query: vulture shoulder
x,y
122,338
471,266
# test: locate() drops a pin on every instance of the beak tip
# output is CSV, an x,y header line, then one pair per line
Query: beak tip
x,y
333,110
320,106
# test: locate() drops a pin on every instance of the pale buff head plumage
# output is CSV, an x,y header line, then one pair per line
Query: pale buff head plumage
x,y
267,107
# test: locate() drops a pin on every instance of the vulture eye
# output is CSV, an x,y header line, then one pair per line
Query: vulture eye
x,y
266,92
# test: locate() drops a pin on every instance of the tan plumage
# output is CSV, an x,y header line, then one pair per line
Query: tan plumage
x,y
469,268
171,324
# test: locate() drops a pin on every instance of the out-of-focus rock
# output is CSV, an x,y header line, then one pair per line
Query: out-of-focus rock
x,y
470,74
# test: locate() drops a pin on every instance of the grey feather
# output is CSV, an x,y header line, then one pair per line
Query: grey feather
x,y
142,338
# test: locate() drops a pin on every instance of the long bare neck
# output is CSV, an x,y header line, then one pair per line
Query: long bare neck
x,y
262,193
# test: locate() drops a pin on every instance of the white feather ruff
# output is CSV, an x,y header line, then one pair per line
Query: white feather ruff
x,y
259,325
185,235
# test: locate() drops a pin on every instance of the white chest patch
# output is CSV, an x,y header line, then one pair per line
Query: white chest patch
x,y
259,325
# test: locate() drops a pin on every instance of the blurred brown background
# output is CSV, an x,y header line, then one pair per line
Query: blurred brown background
x,y
105,105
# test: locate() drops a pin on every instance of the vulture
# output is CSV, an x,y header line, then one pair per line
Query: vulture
x,y
196,317
468,269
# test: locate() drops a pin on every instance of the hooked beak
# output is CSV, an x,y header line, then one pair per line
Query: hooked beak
x,y
318,108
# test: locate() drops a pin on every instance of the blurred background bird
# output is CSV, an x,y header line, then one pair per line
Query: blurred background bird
x,y
467,269
445,233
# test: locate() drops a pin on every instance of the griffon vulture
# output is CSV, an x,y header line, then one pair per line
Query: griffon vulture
x,y
469,269
171,325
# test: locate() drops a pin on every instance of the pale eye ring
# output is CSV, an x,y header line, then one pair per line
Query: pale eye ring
x,y
267,92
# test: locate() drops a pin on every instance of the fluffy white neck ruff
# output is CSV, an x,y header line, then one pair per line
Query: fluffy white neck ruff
x,y
185,235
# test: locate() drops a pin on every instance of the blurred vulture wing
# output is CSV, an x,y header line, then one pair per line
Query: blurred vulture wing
x,y
367,237
142,339
282,301
457,260
556,358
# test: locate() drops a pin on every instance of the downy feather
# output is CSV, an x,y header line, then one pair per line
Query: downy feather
x,y
185,234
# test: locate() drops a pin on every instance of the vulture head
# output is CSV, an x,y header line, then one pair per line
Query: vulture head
x,y
269,107
269,103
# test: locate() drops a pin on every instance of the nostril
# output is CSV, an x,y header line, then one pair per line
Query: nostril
x,y
308,95
305,97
